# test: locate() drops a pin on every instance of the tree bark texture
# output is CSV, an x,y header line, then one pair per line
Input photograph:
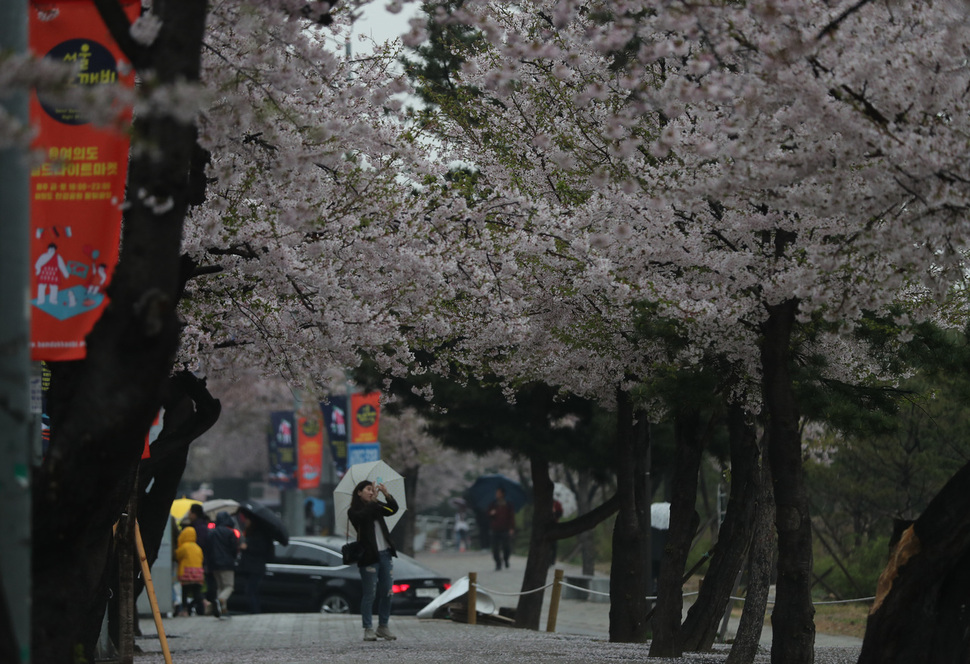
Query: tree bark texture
x,y
528,611
760,565
630,578
920,614
108,400
793,616
700,628
688,434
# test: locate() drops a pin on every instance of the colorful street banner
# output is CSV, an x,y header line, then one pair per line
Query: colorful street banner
x,y
335,417
78,190
366,410
282,449
309,451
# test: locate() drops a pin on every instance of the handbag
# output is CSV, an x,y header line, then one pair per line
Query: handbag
x,y
352,551
191,575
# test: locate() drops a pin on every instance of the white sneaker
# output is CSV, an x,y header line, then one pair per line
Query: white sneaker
x,y
369,634
385,633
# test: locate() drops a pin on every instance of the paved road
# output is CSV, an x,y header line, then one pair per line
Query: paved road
x,y
581,635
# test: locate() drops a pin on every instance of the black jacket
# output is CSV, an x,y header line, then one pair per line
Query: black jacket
x,y
363,520
223,544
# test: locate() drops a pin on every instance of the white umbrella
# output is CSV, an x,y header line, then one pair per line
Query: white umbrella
x,y
216,505
566,498
372,471
660,516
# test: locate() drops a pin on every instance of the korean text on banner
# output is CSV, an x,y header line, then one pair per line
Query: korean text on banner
x,y
366,410
335,415
77,192
282,449
309,452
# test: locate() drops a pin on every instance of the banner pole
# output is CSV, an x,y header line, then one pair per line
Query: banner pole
x,y
16,418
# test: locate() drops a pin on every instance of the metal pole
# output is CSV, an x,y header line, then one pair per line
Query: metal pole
x,y
16,419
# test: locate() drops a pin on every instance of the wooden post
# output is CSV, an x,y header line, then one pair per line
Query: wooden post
x,y
472,598
150,589
554,601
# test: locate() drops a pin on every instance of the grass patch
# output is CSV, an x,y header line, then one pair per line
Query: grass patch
x,y
842,619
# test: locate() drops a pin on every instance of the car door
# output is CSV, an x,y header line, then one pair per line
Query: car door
x,y
297,575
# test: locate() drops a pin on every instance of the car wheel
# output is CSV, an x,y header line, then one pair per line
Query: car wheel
x,y
334,603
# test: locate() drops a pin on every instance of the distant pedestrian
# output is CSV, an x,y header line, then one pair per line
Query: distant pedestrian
x,y
255,550
557,513
223,546
501,523
461,530
190,574
366,513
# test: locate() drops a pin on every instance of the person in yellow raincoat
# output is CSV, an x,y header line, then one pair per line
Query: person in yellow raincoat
x,y
191,575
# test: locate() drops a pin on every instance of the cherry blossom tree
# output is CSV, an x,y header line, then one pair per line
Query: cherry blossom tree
x,y
746,168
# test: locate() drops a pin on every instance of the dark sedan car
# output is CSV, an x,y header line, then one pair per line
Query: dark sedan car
x,y
308,574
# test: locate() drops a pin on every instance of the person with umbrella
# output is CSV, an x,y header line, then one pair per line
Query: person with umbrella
x,y
255,550
367,513
501,521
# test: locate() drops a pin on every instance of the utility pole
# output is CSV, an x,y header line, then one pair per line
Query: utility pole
x,y
16,419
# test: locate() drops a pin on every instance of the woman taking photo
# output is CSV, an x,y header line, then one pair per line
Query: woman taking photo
x,y
366,513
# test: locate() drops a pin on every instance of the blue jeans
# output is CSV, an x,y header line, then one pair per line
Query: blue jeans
x,y
376,579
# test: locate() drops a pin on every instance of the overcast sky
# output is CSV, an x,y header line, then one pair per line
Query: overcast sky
x,y
379,24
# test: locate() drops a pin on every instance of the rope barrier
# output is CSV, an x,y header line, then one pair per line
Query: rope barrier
x,y
524,592
558,584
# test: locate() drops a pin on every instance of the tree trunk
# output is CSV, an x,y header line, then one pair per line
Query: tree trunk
x,y
748,638
404,534
683,526
793,616
190,411
587,542
528,611
920,614
701,625
629,578
106,402
123,636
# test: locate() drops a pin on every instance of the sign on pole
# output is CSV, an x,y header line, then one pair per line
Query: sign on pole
x,y
76,193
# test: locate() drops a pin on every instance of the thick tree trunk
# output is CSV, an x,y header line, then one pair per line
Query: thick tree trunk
x,y
190,411
528,611
920,614
760,561
683,525
629,578
793,616
106,403
701,625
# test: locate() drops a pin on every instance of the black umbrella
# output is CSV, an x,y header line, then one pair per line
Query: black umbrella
x,y
267,518
482,492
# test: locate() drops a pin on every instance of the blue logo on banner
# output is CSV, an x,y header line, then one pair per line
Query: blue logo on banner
x,y
363,453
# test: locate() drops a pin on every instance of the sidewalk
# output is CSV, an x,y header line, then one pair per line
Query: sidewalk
x,y
582,633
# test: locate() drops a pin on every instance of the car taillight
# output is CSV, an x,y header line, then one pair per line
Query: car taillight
x,y
400,588
447,586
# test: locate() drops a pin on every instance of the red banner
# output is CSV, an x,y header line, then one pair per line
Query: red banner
x,y
77,192
309,451
365,412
